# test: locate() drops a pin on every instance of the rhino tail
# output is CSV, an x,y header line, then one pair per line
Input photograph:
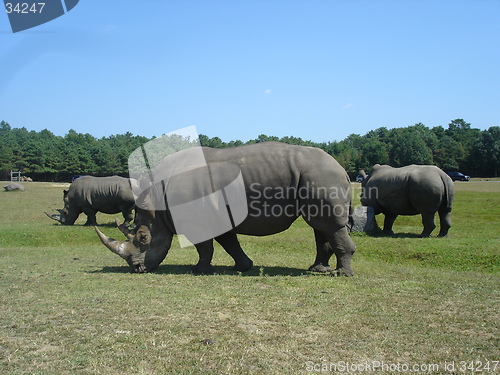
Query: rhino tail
x,y
350,223
449,193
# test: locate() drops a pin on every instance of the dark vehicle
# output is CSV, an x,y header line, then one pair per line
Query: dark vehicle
x,y
457,176
359,178
75,177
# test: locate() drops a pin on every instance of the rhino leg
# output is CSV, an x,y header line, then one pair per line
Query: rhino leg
x,y
324,252
206,252
344,249
229,241
429,224
445,222
389,220
340,244
91,219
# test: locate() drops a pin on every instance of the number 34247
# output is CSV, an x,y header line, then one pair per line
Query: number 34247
x,y
24,8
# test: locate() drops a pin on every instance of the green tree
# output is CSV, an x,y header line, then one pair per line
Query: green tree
x,y
448,154
462,132
467,137
76,154
373,152
235,143
266,138
486,153
347,156
7,147
408,147
459,146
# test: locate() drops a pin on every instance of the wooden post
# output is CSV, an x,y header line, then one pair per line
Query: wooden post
x,y
15,176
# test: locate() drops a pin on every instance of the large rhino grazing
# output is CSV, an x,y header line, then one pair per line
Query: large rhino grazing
x,y
280,182
410,190
90,195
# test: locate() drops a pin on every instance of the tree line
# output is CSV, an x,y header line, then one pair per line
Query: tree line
x,y
46,157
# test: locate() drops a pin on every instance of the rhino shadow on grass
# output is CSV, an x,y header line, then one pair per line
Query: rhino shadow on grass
x,y
221,270
378,232
102,225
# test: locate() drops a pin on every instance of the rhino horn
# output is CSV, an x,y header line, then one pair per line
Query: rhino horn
x,y
124,229
118,247
54,216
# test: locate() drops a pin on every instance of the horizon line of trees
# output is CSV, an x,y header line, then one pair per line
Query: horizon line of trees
x,y
44,156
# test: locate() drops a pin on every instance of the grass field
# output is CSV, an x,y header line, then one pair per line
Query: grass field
x,y
70,306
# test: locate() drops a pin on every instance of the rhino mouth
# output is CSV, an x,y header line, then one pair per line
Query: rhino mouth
x,y
139,268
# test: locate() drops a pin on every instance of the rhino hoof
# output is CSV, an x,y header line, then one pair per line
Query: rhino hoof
x,y
203,269
342,272
320,268
242,267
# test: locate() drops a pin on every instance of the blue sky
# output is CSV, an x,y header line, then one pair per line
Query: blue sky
x,y
319,70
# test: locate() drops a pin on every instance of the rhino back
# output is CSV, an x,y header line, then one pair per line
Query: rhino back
x,y
284,176
387,189
279,164
427,188
406,190
105,194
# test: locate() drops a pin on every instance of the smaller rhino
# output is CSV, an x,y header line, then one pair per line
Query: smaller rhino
x,y
13,186
411,190
90,195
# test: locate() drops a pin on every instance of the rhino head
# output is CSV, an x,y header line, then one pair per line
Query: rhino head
x,y
62,217
369,194
147,243
66,216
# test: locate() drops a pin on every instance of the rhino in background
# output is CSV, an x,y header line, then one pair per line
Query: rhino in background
x,y
13,186
411,190
280,182
90,195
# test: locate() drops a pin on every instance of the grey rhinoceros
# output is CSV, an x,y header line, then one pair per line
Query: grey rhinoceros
x,y
90,195
410,190
280,183
13,186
